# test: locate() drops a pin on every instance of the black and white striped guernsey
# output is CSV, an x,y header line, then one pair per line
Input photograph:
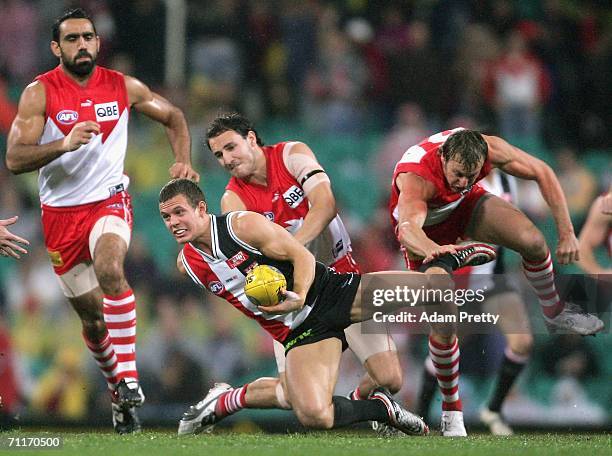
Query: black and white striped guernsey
x,y
223,273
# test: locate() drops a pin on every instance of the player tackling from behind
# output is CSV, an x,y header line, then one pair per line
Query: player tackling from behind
x,y
286,183
71,126
218,252
436,201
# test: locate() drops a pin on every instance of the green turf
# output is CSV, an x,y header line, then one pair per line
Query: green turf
x,y
317,444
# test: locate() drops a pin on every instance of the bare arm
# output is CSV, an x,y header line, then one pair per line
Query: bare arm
x,y
300,161
231,202
23,153
275,242
179,264
161,110
519,163
593,235
412,208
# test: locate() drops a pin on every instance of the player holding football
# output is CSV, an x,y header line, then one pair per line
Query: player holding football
x,y
435,201
71,126
286,183
218,252
9,242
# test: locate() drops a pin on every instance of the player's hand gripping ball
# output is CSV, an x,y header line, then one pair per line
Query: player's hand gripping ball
x,y
265,285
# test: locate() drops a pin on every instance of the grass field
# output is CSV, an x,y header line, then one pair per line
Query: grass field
x,y
353,443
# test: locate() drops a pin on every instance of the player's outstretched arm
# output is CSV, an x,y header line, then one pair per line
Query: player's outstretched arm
x,y
592,235
10,243
275,242
23,153
303,165
161,110
519,163
414,192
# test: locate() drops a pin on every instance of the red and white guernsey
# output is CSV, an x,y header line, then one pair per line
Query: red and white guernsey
x,y
424,161
284,202
94,171
223,273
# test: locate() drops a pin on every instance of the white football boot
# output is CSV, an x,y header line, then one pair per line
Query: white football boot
x,y
574,320
201,416
451,424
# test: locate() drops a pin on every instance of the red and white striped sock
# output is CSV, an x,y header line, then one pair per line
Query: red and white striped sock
x,y
445,360
355,395
542,279
105,357
231,401
120,318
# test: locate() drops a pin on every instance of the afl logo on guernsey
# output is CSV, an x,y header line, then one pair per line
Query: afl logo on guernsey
x,y
216,287
67,117
106,111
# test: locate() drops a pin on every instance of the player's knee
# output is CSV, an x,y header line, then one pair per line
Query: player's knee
x,y
390,377
93,326
533,243
109,273
316,416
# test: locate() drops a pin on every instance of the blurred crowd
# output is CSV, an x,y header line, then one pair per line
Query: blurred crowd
x,y
379,75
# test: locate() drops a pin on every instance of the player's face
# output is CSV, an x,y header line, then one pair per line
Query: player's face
x,y
235,153
458,175
78,46
184,222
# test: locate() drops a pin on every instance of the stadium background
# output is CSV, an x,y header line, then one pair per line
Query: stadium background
x,y
359,82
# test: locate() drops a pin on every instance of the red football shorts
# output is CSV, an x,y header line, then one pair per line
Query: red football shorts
x,y
66,229
346,264
453,228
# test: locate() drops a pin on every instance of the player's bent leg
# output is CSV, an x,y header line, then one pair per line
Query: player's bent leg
x,y
373,346
377,352
80,286
312,373
498,222
109,240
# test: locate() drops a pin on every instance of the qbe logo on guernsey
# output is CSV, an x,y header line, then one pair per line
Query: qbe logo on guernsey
x,y
294,196
106,111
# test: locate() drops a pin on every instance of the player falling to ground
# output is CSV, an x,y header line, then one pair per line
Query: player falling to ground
x,y
71,126
504,301
286,183
436,201
218,252
11,244
597,231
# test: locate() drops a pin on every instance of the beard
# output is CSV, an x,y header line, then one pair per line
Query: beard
x,y
81,69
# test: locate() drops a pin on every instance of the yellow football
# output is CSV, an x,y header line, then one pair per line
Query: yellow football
x,y
264,285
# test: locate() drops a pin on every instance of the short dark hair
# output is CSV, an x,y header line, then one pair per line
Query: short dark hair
x,y
231,122
185,187
467,147
76,13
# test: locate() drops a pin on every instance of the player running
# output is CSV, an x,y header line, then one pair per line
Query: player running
x,y
504,301
71,126
436,201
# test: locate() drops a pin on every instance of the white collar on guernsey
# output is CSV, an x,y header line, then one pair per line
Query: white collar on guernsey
x,y
214,237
